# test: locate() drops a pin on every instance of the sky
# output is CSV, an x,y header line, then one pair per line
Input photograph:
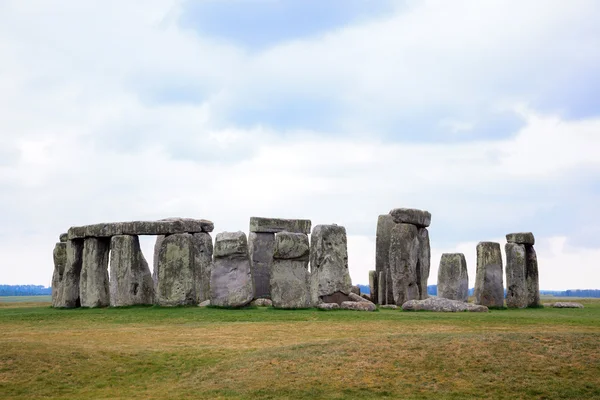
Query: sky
x,y
486,114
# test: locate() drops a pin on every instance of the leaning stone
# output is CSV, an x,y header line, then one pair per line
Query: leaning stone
x,y
261,247
262,303
366,297
176,275
329,262
231,279
404,256
60,260
355,289
69,289
385,223
205,303
421,219
442,305
489,285
290,279
358,306
565,304
521,238
94,289
130,278
274,225
424,262
203,253
389,306
453,277
373,286
532,277
516,283
355,297
328,306
63,237
337,297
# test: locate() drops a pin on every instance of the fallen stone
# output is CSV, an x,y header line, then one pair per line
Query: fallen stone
x,y
373,286
94,288
205,303
60,260
355,289
453,277
389,306
532,277
166,226
290,279
130,278
203,253
176,272
404,256
489,285
516,283
231,278
274,225
69,289
261,247
63,237
565,304
328,306
385,223
360,299
442,305
424,262
262,303
337,297
421,219
521,238
358,306
366,297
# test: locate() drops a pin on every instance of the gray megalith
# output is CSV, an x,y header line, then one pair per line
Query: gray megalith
x,y
261,246
516,282
203,253
385,223
94,288
489,286
453,277
424,262
404,257
176,275
69,289
290,279
532,277
374,286
59,256
130,278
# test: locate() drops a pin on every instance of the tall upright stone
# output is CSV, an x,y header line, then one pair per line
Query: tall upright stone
x,y
60,260
385,223
330,278
94,288
157,245
203,253
489,286
404,258
176,275
530,290
374,286
231,277
261,246
424,262
290,283
130,278
69,289
516,282
453,277
532,277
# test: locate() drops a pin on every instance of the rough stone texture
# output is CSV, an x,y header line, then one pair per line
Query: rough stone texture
x,y
516,283
424,262
404,257
442,305
262,303
421,219
355,289
203,253
385,223
261,247
337,297
205,303
274,225
532,277
63,237
130,278
176,272
565,304
366,297
290,279
389,306
155,266
358,306
374,286
381,295
489,285
453,277
59,256
69,289
358,298
94,288
166,226
329,262
328,306
521,238
231,278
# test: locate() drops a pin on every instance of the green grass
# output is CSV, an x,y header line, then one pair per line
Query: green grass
x,y
262,353
25,299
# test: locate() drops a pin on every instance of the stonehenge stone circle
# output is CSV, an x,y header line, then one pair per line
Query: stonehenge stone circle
x,y
330,278
489,286
404,255
442,305
69,290
130,278
166,226
532,276
176,275
231,278
60,260
94,288
290,279
516,282
274,225
453,277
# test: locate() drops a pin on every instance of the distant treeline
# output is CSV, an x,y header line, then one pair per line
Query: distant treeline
x,y
432,291
24,290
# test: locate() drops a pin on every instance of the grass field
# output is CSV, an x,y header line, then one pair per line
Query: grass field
x,y
262,353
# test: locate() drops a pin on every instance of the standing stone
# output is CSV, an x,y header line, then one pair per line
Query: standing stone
x,y
453,277
261,246
424,262
176,275
94,288
130,278
532,277
69,290
374,286
157,246
203,253
290,279
231,278
382,290
60,260
404,257
489,286
385,223
516,283
330,278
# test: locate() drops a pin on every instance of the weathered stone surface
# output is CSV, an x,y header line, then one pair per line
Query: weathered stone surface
x,y
60,260
231,278
355,289
337,297
63,237
374,286
328,306
521,238
358,306
489,285
404,256
203,253
389,306
385,223
290,246
355,297
155,266
166,226
381,286
176,272
366,297
424,262
516,283
262,303
94,288
69,289
130,278
329,262
261,247
566,304
453,277
442,305
532,277
420,218
205,303
290,284
274,225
